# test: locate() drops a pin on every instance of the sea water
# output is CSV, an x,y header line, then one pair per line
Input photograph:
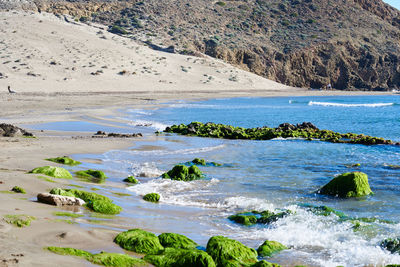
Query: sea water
x,y
266,175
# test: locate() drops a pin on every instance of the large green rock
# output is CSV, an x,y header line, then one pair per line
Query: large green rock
x,y
131,179
268,248
173,240
173,257
64,160
229,252
105,207
198,161
243,219
183,173
391,244
351,184
56,172
139,241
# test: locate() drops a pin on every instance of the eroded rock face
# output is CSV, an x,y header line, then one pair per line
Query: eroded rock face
x,y
9,130
58,200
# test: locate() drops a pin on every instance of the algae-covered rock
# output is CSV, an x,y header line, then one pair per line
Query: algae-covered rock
x,y
56,172
270,217
64,160
139,241
131,179
86,196
105,207
173,240
152,197
96,175
19,220
323,210
18,189
198,161
243,219
351,184
183,173
391,244
265,263
116,260
103,258
229,252
173,257
268,248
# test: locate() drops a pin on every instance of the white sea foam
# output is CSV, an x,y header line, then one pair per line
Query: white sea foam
x,y
140,111
152,124
179,151
147,169
331,104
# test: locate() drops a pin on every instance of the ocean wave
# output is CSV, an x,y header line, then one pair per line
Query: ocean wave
x,y
152,124
147,169
187,151
332,104
140,111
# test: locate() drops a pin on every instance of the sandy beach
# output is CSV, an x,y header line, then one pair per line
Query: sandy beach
x,y
69,71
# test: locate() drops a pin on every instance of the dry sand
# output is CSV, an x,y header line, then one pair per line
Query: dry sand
x,y
72,71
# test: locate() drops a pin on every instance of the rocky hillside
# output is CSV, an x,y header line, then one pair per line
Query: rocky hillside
x,y
352,44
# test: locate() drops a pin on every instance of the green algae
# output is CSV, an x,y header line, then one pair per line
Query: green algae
x,y
323,210
64,221
92,175
18,189
67,214
47,179
103,258
172,240
391,244
19,220
268,248
104,207
229,252
7,192
75,185
131,179
139,241
183,173
265,263
260,217
198,161
56,172
151,197
346,185
202,162
121,194
65,160
305,130
243,219
173,257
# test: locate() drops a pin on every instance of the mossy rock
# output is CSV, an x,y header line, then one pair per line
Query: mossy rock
x,y
103,258
183,173
91,174
131,179
198,161
65,160
173,257
152,197
19,220
265,263
351,184
139,241
229,252
104,207
243,219
391,244
86,196
18,189
268,217
56,172
323,210
173,240
268,248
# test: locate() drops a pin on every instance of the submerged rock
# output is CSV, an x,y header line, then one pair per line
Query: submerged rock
x,y
152,197
18,189
65,160
183,173
351,184
117,135
173,240
105,207
268,248
139,241
131,179
262,217
198,161
243,219
58,200
323,210
391,244
56,172
229,252
173,257
91,174
265,263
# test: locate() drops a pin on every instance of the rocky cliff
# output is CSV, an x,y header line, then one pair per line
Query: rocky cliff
x,y
352,44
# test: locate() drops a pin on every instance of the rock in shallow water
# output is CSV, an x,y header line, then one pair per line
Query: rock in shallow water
x,y
139,241
351,184
173,257
58,200
268,248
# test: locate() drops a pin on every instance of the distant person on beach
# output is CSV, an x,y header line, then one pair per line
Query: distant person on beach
x,y
10,91
329,87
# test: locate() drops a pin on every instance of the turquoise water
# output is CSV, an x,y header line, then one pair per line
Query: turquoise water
x,y
273,175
